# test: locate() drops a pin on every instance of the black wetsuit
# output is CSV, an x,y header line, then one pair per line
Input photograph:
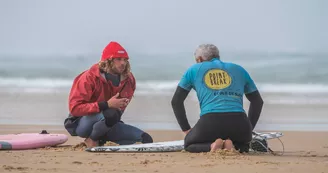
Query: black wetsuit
x,y
235,126
220,87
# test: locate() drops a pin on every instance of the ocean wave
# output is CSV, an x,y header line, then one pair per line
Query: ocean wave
x,y
157,85
265,88
35,83
279,94
293,88
297,101
273,62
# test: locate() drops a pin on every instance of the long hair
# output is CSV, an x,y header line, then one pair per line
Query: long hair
x,y
107,66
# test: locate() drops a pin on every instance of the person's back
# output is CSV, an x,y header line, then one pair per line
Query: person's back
x,y
220,88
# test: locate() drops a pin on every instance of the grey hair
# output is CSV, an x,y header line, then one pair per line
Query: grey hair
x,y
207,51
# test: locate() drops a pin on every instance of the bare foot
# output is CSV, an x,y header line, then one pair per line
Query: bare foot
x,y
90,143
228,144
217,144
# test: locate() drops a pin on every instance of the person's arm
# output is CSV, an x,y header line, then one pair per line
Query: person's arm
x,y
80,96
255,107
256,102
178,108
181,93
112,116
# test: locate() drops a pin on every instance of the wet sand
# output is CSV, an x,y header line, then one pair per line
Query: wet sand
x,y
304,152
154,112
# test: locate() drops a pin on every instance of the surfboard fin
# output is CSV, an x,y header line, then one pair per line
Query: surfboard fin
x,y
44,132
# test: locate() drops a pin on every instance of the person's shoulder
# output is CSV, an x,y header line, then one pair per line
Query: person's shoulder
x,y
131,79
235,66
130,76
231,64
93,71
194,67
90,73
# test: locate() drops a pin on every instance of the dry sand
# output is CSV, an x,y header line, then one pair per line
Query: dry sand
x,y
304,152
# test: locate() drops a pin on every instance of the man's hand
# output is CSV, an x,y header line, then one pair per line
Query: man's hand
x,y
116,102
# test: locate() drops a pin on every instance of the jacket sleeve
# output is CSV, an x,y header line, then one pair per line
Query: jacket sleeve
x,y
80,96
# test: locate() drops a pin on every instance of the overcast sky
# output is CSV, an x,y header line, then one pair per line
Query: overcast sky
x,y
157,26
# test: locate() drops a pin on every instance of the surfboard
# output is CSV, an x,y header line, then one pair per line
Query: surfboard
x,y
168,146
23,141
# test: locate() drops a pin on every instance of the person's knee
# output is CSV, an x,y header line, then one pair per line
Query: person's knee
x,y
188,140
112,116
146,138
100,130
198,148
82,132
189,148
85,124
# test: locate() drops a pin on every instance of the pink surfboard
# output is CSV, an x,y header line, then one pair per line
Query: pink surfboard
x,y
23,141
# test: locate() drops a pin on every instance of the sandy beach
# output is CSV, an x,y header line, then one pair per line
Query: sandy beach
x,y
154,112
306,148
304,126
304,152
281,45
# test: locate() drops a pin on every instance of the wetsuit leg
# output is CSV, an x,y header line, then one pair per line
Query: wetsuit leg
x,y
99,130
201,136
112,116
233,126
241,133
125,134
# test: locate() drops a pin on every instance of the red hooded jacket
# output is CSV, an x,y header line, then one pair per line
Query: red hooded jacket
x,y
90,87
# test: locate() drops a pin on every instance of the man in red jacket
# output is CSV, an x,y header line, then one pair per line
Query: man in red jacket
x,y
98,99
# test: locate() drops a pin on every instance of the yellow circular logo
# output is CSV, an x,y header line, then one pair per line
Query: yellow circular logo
x,y
217,79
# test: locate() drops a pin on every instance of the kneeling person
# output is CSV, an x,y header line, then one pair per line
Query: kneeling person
x,y
98,99
220,87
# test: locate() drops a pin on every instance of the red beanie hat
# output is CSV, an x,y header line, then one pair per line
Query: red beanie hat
x,y
114,50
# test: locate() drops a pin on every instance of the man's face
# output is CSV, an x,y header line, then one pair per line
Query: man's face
x,y
119,65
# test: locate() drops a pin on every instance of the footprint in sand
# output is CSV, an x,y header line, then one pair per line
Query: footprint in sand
x,y
10,168
93,163
77,162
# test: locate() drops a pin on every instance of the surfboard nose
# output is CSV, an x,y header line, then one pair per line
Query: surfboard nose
x,y
88,149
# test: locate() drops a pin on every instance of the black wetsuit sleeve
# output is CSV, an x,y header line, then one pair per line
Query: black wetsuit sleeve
x,y
103,105
178,107
255,107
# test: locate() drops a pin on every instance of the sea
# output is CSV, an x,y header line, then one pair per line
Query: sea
x,y
283,78
299,78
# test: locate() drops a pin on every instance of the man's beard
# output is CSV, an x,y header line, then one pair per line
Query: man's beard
x,y
117,71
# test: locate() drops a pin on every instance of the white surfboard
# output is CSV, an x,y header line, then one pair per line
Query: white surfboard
x,y
168,146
